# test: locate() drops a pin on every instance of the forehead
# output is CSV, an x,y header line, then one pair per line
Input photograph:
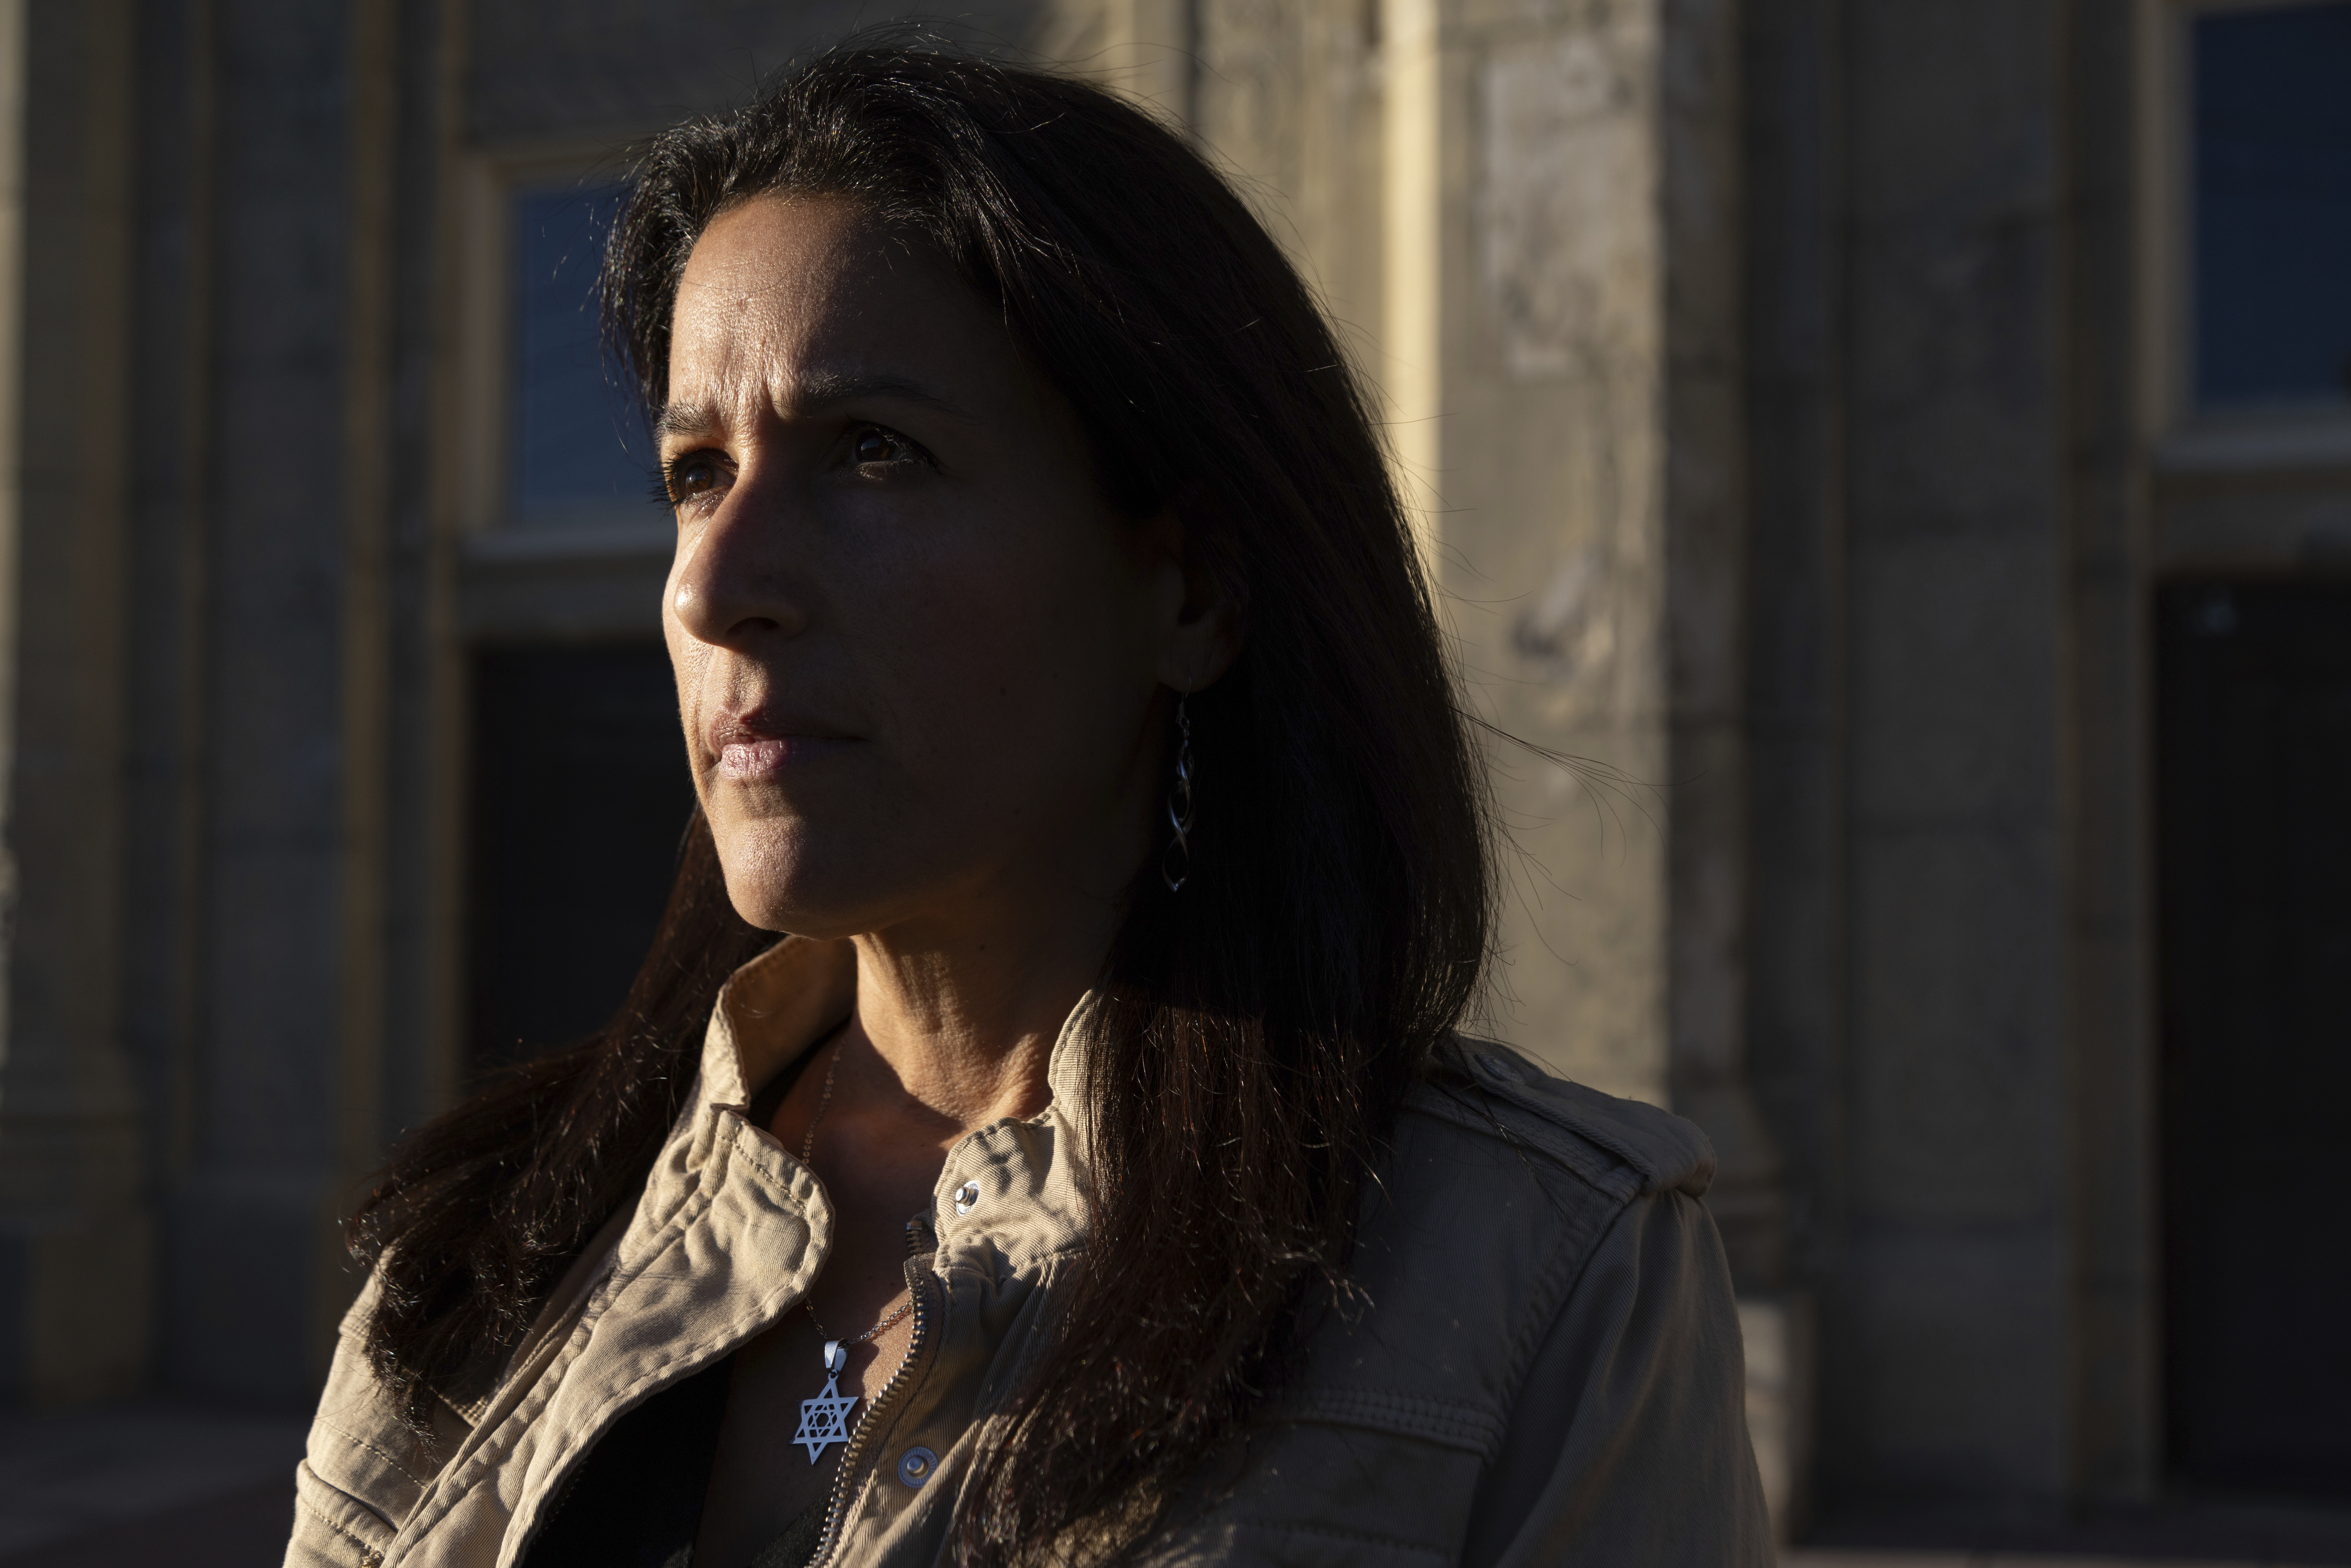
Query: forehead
x,y
780,287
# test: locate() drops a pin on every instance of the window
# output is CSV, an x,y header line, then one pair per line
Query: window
x,y
581,458
2271,177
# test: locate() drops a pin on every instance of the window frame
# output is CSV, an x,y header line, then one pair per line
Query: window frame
x,y
483,347
2181,437
516,583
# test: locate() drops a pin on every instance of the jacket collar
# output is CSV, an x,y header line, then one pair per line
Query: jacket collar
x,y
783,1002
773,1009
770,1011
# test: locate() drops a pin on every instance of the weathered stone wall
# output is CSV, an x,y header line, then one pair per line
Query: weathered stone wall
x,y
1948,696
1954,1277
76,1239
1547,468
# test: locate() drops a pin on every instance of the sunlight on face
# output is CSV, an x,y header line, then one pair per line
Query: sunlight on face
x,y
916,651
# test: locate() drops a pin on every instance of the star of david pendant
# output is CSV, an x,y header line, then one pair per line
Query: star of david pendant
x,y
825,1419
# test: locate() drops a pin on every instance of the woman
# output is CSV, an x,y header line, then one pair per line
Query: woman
x,y
1095,1173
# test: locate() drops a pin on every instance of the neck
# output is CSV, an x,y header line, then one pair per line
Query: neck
x,y
962,1004
965,1019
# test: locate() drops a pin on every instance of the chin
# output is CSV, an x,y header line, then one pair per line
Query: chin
x,y
770,869
782,876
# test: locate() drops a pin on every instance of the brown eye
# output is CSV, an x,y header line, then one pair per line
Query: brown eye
x,y
875,445
692,476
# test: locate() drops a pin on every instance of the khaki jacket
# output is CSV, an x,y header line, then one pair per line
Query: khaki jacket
x,y
1548,1371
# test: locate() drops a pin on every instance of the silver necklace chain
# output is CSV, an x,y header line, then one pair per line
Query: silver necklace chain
x,y
808,1153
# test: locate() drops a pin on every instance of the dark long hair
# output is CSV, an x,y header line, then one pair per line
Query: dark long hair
x,y
1264,1022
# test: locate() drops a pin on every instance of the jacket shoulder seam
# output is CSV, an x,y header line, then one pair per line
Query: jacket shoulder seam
x,y
1583,1138
1562,1276
1607,1171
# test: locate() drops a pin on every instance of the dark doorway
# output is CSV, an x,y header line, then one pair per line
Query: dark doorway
x,y
2254,780
579,795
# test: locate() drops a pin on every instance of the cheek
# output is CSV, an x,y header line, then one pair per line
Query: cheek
x,y
1014,637
686,659
950,658
1009,676
690,667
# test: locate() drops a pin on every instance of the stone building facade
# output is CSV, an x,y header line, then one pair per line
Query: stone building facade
x,y
1823,422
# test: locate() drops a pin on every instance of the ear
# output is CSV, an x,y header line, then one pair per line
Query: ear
x,y
1200,631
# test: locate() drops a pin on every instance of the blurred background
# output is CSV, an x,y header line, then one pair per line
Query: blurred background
x,y
1903,444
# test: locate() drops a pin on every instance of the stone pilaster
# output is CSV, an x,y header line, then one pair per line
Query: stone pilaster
x,y
76,1236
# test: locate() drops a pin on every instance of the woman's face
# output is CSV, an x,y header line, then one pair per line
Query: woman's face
x,y
918,656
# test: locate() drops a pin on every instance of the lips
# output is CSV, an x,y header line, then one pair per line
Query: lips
x,y
767,743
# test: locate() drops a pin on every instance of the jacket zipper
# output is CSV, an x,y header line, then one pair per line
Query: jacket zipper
x,y
853,1458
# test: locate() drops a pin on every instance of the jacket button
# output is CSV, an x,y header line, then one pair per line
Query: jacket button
x,y
915,1465
967,1197
1499,1069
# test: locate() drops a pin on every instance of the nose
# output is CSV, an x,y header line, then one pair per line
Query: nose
x,y
735,583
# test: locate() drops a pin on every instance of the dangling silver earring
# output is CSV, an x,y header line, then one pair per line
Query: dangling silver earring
x,y
1173,871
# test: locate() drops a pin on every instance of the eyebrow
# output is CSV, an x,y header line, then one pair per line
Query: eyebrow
x,y
817,390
